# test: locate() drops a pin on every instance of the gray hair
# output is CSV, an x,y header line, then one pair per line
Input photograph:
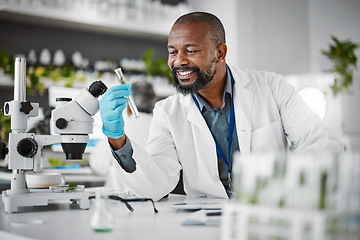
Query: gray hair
x,y
144,96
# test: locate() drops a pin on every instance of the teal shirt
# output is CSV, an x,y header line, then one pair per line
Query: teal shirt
x,y
218,121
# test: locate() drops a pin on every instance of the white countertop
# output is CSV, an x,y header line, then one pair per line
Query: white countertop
x,y
62,220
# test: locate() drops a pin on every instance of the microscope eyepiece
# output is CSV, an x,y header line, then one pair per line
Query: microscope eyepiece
x,y
97,88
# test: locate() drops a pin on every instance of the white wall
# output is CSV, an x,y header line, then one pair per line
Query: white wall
x,y
273,35
281,36
226,12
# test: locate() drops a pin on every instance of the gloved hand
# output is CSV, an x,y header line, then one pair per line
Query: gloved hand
x,y
112,104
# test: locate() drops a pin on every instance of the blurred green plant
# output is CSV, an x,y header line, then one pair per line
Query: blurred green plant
x,y
5,122
6,64
36,75
54,162
65,74
5,127
156,66
342,54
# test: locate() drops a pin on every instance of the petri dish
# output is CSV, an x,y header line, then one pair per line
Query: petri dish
x,y
66,188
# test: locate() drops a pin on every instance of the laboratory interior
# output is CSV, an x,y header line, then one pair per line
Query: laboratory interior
x,y
61,177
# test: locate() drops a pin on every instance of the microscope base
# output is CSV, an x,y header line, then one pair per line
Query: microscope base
x,y
41,198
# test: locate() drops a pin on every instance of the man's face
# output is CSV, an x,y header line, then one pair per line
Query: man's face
x,y
192,57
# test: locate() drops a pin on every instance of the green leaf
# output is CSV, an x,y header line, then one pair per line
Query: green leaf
x,y
5,127
55,162
342,54
158,66
66,71
122,80
322,193
72,186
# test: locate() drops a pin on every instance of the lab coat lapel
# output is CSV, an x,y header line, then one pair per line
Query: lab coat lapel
x,y
194,115
205,143
243,104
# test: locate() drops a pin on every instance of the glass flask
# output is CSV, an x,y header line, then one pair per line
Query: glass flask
x,y
102,220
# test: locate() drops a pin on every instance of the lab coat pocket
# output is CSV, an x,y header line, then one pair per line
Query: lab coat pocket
x,y
270,137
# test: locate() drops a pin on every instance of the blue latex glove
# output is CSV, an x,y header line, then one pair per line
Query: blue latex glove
x,y
112,104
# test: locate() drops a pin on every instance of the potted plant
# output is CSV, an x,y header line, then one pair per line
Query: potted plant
x,y
342,54
158,66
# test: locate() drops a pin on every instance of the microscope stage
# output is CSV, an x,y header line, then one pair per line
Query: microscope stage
x,y
41,197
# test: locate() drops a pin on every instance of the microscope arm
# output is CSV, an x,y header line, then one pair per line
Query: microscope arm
x,y
45,140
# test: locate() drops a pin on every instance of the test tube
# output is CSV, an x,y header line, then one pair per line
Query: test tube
x,y
132,105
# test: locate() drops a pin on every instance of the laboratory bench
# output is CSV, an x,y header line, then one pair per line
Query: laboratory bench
x,y
62,220
178,217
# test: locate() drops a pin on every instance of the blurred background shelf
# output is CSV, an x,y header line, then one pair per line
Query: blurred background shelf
x,y
102,30
85,20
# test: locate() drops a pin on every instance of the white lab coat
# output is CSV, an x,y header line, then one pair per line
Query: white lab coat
x,y
268,114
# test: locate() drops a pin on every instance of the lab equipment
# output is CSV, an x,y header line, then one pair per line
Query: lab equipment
x,y
321,180
102,219
203,217
132,105
66,188
193,206
294,196
71,121
43,180
126,201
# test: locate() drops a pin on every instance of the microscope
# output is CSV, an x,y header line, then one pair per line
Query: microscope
x,y
71,123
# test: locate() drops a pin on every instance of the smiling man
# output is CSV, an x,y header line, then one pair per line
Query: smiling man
x,y
218,109
192,64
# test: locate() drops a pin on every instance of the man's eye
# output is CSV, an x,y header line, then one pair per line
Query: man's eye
x,y
191,52
172,52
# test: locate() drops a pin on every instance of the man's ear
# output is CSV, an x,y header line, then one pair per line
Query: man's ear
x,y
221,51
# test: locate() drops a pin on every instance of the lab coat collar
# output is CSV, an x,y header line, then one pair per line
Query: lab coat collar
x,y
243,104
194,115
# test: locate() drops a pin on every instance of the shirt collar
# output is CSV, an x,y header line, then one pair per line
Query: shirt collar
x,y
203,104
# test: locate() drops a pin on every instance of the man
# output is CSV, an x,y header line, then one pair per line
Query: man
x,y
219,109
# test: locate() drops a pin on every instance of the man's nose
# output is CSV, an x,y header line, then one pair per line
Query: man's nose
x,y
181,59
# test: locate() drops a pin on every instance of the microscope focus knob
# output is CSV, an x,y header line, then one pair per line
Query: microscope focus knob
x,y
26,107
61,123
27,147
